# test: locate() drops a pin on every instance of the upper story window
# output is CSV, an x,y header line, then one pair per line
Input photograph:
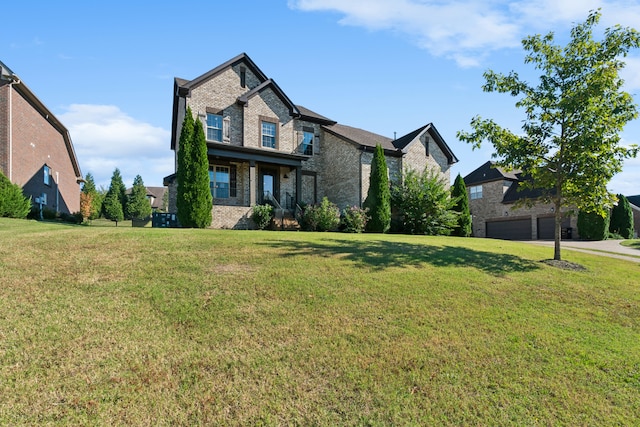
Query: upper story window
x,y
243,77
475,192
269,134
307,143
214,127
47,175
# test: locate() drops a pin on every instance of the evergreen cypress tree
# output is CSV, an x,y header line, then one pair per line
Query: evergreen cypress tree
x,y
459,193
89,188
183,173
378,199
622,218
112,207
138,205
202,200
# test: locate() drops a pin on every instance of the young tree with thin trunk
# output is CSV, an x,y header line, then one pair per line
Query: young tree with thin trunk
x,y
378,200
89,188
570,145
138,205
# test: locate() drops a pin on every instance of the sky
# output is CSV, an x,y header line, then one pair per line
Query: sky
x,y
106,69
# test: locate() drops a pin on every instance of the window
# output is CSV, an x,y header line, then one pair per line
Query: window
x,y
243,76
219,181
475,192
214,127
268,134
47,175
222,181
307,143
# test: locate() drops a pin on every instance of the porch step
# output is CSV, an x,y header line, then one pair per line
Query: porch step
x,y
287,223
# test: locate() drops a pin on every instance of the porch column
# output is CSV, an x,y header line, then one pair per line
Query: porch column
x,y
298,184
252,183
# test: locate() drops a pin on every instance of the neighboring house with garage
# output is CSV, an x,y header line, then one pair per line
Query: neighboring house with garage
x,y
493,193
264,148
36,152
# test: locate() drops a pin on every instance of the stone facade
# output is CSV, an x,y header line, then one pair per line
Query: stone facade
x,y
36,151
338,168
492,208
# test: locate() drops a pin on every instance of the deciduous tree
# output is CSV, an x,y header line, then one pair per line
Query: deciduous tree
x,y
569,146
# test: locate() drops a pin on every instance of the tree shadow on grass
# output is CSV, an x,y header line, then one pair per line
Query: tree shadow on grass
x,y
380,254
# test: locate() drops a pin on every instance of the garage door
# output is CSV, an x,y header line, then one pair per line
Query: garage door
x,y
515,229
546,227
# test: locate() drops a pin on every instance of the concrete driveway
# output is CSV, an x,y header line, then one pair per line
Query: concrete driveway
x,y
610,248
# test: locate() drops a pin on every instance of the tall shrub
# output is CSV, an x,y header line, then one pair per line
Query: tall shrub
x,y
113,207
622,218
461,200
13,203
593,226
194,194
202,199
425,204
378,201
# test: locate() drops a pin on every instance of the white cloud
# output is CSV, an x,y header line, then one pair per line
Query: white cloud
x,y
467,30
104,138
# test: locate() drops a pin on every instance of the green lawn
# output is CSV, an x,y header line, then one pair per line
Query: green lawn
x,y
140,326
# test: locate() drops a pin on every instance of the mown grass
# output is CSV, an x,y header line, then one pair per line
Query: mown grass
x,y
130,326
635,243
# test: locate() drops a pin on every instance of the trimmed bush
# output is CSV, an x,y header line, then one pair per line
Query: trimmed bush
x,y
378,200
262,216
593,226
622,219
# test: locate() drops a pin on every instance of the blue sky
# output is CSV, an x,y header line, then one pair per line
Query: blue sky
x,y
106,69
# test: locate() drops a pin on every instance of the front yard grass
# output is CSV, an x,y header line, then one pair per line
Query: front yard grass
x,y
135,326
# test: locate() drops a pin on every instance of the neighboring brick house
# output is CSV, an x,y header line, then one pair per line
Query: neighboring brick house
x,y
493,192
35,148
264,147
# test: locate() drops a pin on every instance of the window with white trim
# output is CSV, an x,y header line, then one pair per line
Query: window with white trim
x,y
307,143
47,175
475,192
214,127
268,134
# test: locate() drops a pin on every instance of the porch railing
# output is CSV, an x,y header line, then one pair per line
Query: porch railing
x,y
278,210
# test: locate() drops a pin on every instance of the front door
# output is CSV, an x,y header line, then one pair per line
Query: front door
x,y
269,185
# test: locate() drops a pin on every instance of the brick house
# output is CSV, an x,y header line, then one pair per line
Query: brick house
x,y
493,193
264,148
35,148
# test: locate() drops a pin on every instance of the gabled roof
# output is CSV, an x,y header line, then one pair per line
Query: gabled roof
x,y
306,114
489,172
634,200
8,75
363,138
243,57
403,142
271,84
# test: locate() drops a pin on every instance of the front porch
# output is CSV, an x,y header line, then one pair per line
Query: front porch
x,y
242,177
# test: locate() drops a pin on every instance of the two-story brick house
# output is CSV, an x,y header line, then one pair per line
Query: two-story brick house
x,y
36,151
263,147
493,195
